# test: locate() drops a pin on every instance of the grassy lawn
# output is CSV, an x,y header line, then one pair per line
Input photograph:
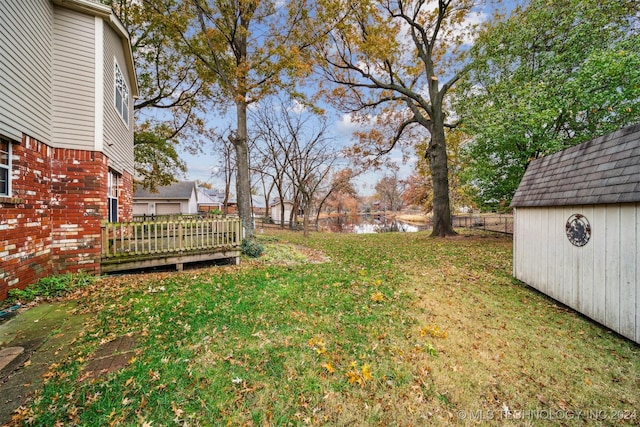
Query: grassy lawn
x,y
382,329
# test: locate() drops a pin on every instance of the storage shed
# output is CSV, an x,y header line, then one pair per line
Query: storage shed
x,y
577,229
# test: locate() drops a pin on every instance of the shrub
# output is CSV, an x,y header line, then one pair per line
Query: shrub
x,y
51,287
252,248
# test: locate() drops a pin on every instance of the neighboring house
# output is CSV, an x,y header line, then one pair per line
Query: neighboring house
x,y
577,229
258,207
209,200
177,198
67,84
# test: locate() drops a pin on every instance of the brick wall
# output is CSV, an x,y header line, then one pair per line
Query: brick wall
x,y
51,224
78,205
125,198
25,219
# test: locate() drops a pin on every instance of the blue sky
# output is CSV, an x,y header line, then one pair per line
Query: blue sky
x,y
201,166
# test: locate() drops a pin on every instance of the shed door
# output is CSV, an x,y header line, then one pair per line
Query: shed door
x,y
167,208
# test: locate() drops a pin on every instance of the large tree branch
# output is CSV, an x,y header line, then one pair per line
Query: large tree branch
x,y
398,135
217,68
419,34
374,83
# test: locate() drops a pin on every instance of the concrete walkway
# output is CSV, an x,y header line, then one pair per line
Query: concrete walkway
x,y
29,343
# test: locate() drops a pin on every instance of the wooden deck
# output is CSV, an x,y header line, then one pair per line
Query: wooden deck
x,y
170,241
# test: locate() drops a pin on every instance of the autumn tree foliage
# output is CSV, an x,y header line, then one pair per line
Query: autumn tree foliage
x,y
157,162
341,195
418,191
172,95
247,49
392,65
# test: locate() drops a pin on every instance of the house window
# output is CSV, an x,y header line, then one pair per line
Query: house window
x,y
5,167
122,95
112,196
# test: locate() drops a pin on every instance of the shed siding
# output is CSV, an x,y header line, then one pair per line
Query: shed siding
x,y
25,80
600,279
628,267
599,272
73,77
637,291
612,269
118,138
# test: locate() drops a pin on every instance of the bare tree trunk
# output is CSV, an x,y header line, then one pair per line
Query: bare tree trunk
x,y
227,181
281,213
306,206
293,215
243,182
437,154
267,198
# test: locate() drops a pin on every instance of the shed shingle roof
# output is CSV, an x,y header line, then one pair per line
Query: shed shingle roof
x,y
603,170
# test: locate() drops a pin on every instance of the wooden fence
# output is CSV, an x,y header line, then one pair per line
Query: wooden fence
x,y
140,244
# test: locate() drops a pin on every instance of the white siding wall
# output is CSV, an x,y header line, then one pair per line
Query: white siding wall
x,y
118,138
192,207
601,279
73,79
25,64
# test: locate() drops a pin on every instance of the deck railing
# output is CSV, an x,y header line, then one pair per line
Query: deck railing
x,y
175,236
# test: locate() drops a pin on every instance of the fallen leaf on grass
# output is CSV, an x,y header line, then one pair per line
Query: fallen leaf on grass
x,y
359,376
329,367
353,377
177,411
366,372
564,405
433,331
317,344
154,375
377,297
543,399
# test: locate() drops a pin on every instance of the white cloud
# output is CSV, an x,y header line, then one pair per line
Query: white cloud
x,y
297,107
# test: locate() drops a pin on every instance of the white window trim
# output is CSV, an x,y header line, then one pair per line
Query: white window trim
x,y
117,70
8,168
99,73
112,187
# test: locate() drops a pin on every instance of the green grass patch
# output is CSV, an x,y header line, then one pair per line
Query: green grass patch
x,y
49,288
384,329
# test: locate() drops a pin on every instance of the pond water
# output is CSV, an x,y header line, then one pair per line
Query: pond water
x,y
367,223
